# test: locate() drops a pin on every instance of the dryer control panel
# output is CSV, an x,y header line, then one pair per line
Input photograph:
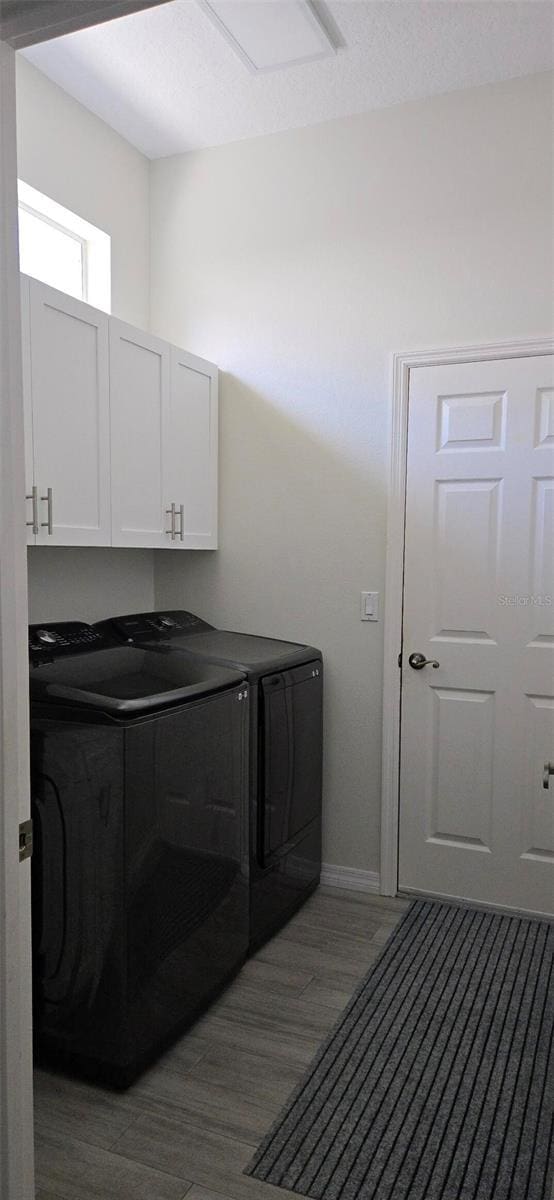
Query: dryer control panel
x,y
152,626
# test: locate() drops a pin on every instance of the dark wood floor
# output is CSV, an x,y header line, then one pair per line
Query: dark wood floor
x,y
190,1125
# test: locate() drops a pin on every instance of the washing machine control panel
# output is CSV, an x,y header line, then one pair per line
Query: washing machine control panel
x,y
64,637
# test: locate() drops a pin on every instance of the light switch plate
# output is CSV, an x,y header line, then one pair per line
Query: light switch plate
x,y
369,606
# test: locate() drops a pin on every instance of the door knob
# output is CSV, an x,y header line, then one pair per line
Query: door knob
x,y
419,661
548,771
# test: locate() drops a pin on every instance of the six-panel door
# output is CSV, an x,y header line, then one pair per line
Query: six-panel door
x,y
475,819
67,400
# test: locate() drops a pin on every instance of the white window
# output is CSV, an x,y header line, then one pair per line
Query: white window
x,y
61,249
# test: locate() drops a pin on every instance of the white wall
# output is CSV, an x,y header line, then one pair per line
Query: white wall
x,y
298,262
76,159
86,584
72,156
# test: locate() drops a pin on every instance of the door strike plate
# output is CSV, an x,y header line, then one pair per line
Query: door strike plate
x,y
25,840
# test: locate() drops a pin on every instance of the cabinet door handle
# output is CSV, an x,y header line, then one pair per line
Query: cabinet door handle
x,y
182,522
49,523
170,512
33,495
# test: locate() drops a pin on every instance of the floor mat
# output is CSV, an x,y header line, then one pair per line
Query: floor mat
x,y
436,1083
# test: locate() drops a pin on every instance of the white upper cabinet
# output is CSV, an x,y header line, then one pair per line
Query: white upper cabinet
x,y
67,418
139,402
164,443
192,450
121,431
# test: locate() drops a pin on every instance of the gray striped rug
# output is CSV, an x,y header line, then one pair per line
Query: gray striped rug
x,y
435,1084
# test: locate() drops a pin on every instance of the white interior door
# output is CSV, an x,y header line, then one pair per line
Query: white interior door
x,y
70,419
192,450
139,403
478,730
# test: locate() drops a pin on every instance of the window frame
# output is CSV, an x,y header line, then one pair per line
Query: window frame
x,y
95,244
40,216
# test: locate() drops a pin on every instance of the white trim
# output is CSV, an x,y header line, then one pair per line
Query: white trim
x,y
35,212
349,878
402,364
16,1095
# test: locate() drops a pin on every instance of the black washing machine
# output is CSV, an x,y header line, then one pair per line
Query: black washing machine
x,y
286,690
140,896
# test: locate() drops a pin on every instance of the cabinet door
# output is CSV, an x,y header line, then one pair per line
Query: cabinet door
x,y
70,418
192,450
31,507
139,403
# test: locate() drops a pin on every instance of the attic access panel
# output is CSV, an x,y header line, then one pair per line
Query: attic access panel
x,y
269,36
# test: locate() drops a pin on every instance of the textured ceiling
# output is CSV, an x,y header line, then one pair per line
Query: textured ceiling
x,y
168,81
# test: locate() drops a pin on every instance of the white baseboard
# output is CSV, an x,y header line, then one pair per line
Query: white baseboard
x,y
349,878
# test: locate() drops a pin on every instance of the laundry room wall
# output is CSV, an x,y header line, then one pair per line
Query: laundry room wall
x,y
299,262
75,158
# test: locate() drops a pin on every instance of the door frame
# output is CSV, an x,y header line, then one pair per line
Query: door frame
x,y
401,366
16,1094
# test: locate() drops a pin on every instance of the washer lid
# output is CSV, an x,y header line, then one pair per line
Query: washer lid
x,y
125,680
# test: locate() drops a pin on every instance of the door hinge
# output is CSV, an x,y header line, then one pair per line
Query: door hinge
x,y
400,659
25,840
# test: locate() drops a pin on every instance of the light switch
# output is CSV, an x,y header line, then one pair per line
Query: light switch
x,y
369,606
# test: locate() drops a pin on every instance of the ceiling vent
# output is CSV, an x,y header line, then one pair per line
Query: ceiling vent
x,y
271,34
